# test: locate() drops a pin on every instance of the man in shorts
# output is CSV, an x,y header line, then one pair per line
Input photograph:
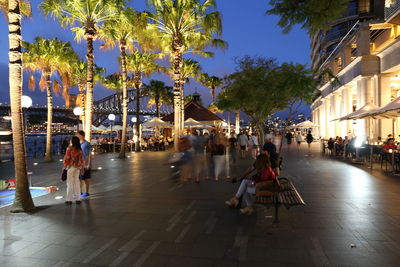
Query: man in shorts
x,y
243,143
87,157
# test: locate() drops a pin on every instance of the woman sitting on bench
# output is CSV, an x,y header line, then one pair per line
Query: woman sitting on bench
x,y
247,187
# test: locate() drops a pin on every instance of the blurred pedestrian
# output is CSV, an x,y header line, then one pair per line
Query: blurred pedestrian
x,y
299,139
289,137
309,139
219,153
233,148
253,141
243,143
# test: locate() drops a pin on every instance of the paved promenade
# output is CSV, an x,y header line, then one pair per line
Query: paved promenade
x,y
139,216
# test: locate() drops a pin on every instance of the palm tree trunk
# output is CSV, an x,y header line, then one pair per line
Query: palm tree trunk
x,y
138,84
237,122
89,87
177,65
48,154
124,102
23,200
182,105
83,101
157,100
212,94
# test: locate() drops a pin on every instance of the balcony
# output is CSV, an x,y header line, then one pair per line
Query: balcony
x,y
392,11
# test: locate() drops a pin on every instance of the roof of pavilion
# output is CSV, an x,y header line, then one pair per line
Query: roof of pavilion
x,y
195,111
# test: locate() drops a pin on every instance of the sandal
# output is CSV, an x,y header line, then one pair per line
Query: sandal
x,y
233,203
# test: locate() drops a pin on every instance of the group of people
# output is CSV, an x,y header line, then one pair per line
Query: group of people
x,y
265,169
299,138
77,163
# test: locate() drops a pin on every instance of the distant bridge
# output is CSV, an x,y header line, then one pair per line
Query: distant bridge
x,y
102,108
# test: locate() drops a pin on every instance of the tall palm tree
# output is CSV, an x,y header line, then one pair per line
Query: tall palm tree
x,y
185,26
14,9
49,57
190,69
124,30
140,64
85,18
78,78
211,82
159,94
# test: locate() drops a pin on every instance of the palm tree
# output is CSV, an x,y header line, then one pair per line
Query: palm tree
x,y
159,94
14,9
78,78
211,82
49,57
85,18
124,30
140,64
185,26
190,68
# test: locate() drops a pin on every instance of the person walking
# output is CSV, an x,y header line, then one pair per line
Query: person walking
x,y
289,137
254,145
309,139
197,142
219,153
87,157
73,163
243,143
299,139
233,148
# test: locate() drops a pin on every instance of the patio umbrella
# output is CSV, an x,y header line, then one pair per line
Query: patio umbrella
x,y
359,113
192,123
306,124
157,122
389,111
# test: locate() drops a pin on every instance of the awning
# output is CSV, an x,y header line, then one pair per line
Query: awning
x,y
359,112
389,111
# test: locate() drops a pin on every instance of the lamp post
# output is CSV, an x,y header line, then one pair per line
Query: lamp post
x,y
78,111
111,118
26,102
133,132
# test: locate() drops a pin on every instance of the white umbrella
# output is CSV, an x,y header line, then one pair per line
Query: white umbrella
x,y
359,113
192,123
157,122
391,110
306,124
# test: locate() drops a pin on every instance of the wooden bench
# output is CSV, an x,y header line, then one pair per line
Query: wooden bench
x,y
269,194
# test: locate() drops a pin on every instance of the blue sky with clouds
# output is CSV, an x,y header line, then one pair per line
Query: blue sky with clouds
x,y
245,27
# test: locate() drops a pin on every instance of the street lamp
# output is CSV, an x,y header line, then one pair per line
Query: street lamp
x,y
78,111
26,102
111,118
134,120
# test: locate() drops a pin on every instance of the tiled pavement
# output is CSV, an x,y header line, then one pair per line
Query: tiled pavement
x,y
139,216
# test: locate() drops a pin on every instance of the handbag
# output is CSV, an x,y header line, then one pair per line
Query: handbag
x,y
64,175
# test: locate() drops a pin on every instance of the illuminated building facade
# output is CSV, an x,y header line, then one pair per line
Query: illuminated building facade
x,y
366,62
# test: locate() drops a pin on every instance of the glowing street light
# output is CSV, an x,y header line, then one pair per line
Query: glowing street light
x,y
78,111
111,118
26,101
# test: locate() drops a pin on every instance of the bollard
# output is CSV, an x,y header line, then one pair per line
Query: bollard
x,y
370,156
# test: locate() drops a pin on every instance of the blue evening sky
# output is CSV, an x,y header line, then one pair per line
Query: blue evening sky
x,y
245,27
